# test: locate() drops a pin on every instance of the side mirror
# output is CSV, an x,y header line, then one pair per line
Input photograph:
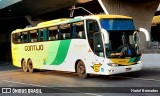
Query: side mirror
x,y
136,38
106,36
145,32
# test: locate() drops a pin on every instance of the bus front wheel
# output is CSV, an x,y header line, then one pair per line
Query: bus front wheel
x,y
30,66
24,66
81,70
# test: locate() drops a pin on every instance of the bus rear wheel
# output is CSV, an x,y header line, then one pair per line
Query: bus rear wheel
x,y
81,70
24,66
30,66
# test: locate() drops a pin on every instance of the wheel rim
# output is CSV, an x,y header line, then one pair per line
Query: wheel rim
x,y
24,66
81,69
30,66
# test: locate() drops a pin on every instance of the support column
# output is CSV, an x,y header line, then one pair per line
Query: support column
x,y
142,12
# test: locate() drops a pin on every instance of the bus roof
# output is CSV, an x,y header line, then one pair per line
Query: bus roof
x,y
52,21
67,20
43,25
99,16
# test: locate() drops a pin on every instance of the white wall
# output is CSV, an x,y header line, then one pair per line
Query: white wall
x,y
151,60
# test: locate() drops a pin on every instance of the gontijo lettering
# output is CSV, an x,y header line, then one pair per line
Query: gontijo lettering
x,y
33,47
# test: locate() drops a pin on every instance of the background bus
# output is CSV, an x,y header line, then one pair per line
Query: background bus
x,y
96,44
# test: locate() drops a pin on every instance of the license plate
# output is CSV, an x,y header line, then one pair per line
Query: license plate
x,y
128,69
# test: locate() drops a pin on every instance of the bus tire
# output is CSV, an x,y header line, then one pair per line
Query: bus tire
x,y
81,70
24,65
30,66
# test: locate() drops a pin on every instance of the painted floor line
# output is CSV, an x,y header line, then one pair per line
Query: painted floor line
x,y
24,83
10,70
146,79
52,88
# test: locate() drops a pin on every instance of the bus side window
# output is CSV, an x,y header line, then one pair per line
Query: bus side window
x,y
15,38
78,30
66,36
25,37
40,34
92,27
65,32
53,35
33,36
19,37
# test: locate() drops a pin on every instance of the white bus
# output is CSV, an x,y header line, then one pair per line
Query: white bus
x,y
95,44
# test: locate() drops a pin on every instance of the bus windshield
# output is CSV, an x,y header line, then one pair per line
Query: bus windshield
x,y
117,24
123,38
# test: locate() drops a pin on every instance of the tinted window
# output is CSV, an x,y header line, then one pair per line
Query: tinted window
x,y
78,30
53,33
33,36
117,24
65,32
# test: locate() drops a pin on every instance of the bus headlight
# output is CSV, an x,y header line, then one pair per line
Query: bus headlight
x,y
112,64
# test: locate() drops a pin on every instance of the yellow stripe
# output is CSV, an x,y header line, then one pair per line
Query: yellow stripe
x,y
122,61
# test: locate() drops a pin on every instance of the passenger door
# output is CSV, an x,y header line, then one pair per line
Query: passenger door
x,y
95,37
